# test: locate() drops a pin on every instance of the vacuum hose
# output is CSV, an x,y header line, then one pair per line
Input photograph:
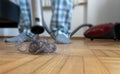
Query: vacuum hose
x,y
79,27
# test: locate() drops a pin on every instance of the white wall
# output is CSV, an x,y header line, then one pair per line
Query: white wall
x,y
99,11
102,11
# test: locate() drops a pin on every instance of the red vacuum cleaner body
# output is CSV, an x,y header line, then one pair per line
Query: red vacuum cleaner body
x,y
104,31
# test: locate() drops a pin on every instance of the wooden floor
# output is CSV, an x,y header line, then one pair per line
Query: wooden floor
x,y
81,57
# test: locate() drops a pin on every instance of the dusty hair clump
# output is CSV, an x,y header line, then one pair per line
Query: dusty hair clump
x,y
42,46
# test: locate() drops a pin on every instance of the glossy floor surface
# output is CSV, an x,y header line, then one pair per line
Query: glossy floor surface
x,y
82,56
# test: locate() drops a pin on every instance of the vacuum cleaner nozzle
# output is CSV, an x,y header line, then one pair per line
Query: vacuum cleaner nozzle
x,y
37,29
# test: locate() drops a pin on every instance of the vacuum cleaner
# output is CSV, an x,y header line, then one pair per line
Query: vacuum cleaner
x,y
104,31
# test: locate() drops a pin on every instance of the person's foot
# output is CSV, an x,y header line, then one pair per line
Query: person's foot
x,y
61,38
20,38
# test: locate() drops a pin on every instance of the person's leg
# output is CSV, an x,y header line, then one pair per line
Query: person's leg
x,y
61,20
25,18
24,24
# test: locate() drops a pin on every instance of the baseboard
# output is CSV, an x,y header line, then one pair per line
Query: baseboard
x,y
47,37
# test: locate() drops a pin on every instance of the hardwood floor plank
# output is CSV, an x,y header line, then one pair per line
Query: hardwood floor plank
x,y
110,53
99,53
31,66
52,67
94,66
74,65
62,65
12,65
112,63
